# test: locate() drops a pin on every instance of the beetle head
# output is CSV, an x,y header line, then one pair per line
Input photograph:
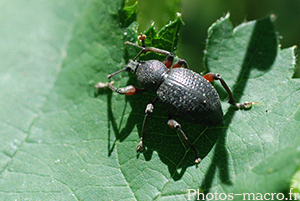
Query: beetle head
x,y
132,66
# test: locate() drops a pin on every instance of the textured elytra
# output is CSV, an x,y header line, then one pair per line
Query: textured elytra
x,y
187,95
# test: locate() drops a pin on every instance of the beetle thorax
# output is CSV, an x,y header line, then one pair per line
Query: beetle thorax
x,y
150,74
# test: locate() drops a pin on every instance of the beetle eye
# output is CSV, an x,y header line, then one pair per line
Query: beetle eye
x,y
128,69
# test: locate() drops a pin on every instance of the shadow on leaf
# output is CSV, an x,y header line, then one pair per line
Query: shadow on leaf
x,y
261,53
159,136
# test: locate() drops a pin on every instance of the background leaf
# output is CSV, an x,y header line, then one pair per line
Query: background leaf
x,y
61,142
51,146
259,141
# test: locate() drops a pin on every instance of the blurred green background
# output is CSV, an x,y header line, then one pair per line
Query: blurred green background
x,y
198,15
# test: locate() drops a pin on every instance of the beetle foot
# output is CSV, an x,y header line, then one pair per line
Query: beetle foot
x,y
140,146
197,160
149,108
245,105
101,85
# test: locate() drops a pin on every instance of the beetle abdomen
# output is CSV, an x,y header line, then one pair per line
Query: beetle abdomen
x,y
187,95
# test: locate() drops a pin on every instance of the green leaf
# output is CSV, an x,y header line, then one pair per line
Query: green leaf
x,y
128,15
53,136
166,38
295,185
256,145
59,141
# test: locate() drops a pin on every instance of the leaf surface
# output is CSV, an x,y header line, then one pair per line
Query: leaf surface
x,y
60,140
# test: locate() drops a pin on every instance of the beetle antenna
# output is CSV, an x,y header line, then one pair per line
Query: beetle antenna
x,y
149,49
133,44
109,76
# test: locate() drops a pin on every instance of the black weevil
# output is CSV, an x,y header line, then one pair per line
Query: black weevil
x,y
184,93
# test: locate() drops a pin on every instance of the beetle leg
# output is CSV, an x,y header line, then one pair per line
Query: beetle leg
x,y
168,61
175,125
128,90
169,55
148,111
215,76
180,63
142,38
